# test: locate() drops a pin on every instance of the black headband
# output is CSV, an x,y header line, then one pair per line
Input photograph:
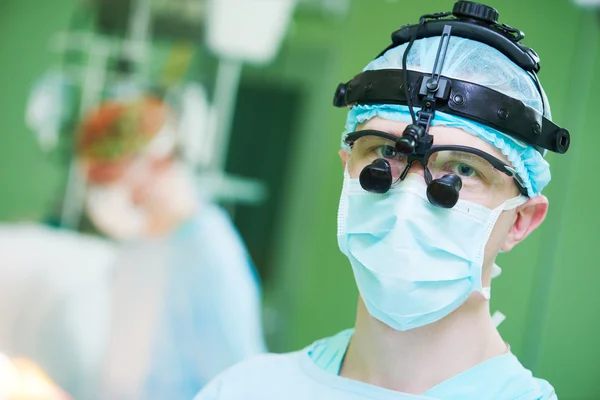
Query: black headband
x,y
461,98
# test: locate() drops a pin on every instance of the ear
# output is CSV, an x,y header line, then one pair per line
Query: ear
x,y
344,157
529,216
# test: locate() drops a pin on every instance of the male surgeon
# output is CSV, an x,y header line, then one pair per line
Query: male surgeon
x,y
444,166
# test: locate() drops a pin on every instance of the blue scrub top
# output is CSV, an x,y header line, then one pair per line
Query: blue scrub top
x,y
210,318
312,373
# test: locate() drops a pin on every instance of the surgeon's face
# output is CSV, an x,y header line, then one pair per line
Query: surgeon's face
x,y
143,197
497,187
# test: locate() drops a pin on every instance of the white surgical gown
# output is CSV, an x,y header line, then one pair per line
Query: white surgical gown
x,y
54,295
310,374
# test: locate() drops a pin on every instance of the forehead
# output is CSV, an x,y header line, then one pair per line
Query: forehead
x,y
443,135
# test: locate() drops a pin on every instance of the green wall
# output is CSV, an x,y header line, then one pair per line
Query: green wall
x,y
568,330
28,181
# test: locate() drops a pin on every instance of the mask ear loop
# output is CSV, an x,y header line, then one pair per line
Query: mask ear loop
x,y
509,204
515,202
498,318
486,292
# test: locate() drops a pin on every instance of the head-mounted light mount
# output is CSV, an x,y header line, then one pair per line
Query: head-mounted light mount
x,y
461,98
464,99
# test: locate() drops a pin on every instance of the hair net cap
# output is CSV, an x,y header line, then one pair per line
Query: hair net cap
x,y
478,63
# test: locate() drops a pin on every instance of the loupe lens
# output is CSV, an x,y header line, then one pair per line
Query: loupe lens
x,y
376,177
444,192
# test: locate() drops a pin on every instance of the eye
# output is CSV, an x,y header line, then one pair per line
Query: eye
x,y
462,169
388,152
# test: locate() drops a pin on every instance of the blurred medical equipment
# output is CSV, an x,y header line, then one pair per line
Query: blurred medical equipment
x,y
437,93
250,41
259,29
265,33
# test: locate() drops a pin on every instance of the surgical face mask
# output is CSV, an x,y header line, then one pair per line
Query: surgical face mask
x,y
113,212
169,198
414,263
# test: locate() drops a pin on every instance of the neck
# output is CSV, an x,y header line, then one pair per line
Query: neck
x,y
414,361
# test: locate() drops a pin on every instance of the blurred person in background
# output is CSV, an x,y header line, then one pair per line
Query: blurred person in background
x,y
430,197
155,293
184,296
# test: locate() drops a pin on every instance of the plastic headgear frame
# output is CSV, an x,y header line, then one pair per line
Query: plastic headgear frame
x,y
464,99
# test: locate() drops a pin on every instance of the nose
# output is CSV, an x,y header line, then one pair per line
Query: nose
x,y
415,167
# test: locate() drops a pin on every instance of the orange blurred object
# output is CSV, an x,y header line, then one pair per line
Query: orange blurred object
x,y
112,134
22,379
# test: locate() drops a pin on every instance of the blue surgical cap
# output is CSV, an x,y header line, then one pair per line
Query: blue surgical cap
x,y
475,62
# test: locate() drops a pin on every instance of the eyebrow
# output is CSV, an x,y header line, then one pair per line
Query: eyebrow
x,y
392,131
462,154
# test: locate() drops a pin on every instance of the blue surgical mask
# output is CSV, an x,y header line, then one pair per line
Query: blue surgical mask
x,y
414,263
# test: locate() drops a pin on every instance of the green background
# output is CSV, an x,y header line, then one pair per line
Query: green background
x,y
548,289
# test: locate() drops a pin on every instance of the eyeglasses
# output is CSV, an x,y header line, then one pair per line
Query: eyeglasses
x,y
482,175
